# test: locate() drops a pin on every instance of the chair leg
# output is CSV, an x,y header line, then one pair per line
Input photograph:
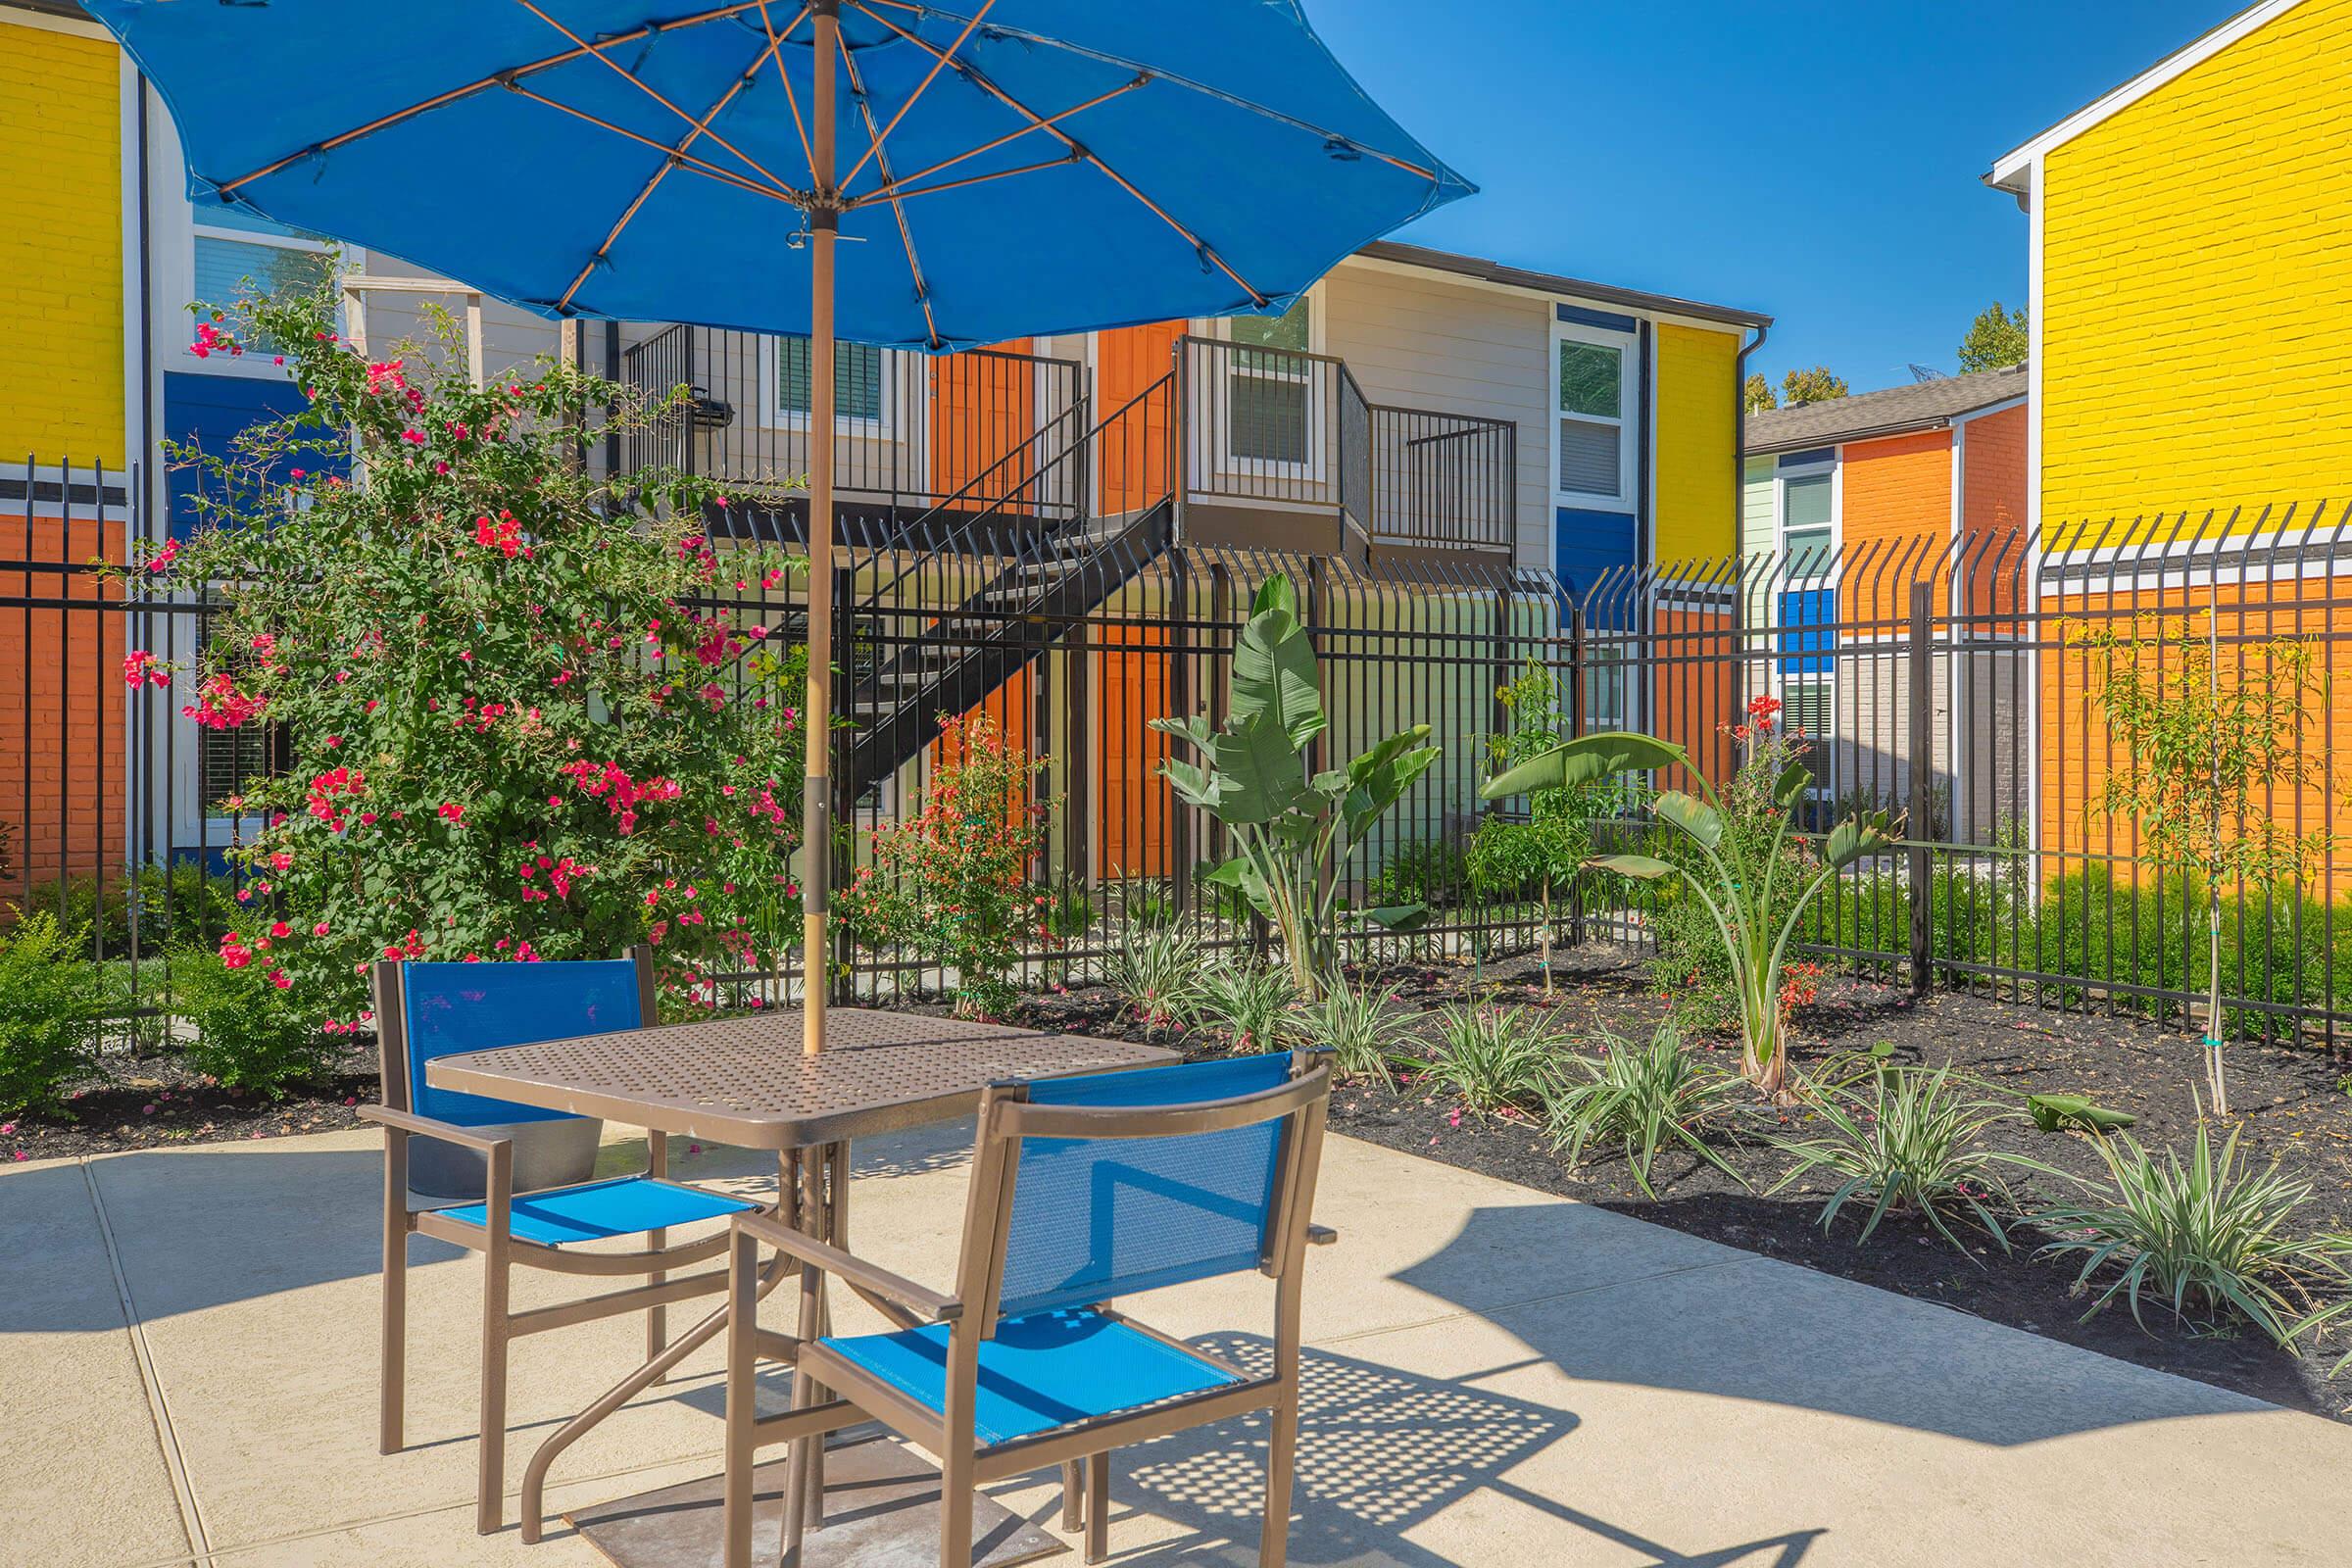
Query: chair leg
x,y
796,1498
1282,1442
1073,1495
1098,1506
955,1509
491,1481
391,1415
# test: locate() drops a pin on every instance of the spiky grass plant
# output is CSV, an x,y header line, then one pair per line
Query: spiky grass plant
x,y
1493,1058
1159,967
1251,1001
2205,1235
1911,1144
1643,1098
1366,1032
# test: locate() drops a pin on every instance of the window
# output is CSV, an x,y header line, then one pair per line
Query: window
x,y
1268,396
1808,612
238,253
1593,437
1808,530
857,375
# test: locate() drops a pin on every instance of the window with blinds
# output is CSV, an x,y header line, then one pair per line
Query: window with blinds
x,y
1591,418
257,256
1267,407
858,372
1808,531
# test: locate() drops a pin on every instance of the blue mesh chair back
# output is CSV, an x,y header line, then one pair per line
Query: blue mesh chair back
x,y
1097,1217
450,1008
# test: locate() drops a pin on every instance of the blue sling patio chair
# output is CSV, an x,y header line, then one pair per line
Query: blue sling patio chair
x,y
525,1169
1082,1189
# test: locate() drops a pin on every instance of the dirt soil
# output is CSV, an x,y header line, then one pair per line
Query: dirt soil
x,y
2286,1100
155,1104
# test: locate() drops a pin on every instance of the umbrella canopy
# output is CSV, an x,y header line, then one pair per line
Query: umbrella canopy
x,y
1012,168
1071,165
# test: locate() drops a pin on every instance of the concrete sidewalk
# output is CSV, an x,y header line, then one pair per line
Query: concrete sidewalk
x,y
1495,1377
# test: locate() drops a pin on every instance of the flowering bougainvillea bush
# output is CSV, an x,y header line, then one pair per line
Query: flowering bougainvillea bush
x,y
530,713
953,883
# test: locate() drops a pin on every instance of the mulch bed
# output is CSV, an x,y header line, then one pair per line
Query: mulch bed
x,y
2286,1099
155,1104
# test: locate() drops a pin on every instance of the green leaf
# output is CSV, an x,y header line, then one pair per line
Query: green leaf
x,y
1274,669
1397,916
1260,778
1856,838
1646,869
1586,759
1790,786
2074,1112
1699,820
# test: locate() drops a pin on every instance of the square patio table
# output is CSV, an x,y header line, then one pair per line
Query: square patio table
x,y
744,1080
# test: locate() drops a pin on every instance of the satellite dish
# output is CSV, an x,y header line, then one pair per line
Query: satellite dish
x,y
1928,372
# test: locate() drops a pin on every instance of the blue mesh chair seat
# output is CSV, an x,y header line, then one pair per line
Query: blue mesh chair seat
x,y
1041,1372
596,1212
532,1166
1083,1190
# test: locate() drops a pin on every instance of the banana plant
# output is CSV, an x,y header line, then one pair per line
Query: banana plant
x,y
1295,828
1736,888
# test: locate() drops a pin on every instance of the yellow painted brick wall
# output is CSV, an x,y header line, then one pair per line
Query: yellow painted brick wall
x,y
2197,286
61,248
1698,491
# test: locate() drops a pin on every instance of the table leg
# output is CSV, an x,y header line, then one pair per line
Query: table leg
x,y
823,1189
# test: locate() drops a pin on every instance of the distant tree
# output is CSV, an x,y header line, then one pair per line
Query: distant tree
x,y
1758,394
1996,339
1818,385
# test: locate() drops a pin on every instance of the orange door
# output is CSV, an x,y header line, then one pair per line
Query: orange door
x,y
1134,459
1131,798
983,427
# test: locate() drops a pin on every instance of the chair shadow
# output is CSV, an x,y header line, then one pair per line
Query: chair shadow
x,y
1381,1452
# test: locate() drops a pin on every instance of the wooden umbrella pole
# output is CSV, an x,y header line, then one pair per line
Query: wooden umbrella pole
x,y
816,805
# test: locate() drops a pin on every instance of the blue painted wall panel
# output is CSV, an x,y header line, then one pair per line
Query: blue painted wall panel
x,y
1808,635
207,411
1590,545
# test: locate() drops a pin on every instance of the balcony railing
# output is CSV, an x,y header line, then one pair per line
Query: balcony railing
x,y
962,432
1292,431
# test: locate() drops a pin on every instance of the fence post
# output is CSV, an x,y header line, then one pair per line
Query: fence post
x,y
1920,812
1576,671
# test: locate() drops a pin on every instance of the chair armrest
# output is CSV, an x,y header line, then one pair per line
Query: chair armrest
x,y
917,1299
1321,1236
407,1121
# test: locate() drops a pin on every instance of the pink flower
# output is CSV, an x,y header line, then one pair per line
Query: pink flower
x,y
320,929
413,437
452,812
280,979
162,558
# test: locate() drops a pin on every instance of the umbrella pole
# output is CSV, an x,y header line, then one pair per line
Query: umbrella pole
x,y
816,805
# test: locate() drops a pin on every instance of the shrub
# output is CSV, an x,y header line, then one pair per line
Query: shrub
x,y
1493,1058
53,1001
1366,1032
1426,871
951,882
187,902
2204,1233
251,1032
1911,1145
1157,967
514,728
1251,1001
1641,1097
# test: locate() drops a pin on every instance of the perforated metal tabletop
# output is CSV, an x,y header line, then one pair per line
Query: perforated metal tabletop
x,y
745,1081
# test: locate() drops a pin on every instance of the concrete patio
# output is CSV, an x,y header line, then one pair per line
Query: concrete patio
x,y
1493,1377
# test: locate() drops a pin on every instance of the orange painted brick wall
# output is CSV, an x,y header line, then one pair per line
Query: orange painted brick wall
x,y
1693,689
1992,514
2077,756
1132,800
1895,513
62,733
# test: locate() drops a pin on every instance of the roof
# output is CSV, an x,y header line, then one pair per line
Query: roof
x,y
2013,170
1486,272
1922,406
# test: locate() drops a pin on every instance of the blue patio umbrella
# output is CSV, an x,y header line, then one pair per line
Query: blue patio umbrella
x,y
1012,168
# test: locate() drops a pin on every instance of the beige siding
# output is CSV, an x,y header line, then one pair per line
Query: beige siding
x,y
1422,341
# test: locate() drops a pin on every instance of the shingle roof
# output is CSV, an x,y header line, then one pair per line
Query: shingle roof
x,y
1922,406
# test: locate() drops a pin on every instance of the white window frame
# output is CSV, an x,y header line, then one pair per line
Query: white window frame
x,y
1628,354
249,364
775,417
1228,462
1825,750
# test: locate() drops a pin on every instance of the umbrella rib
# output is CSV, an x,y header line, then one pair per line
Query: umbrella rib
x,y
598,50
980,79
688,161
775,43
914,265
992,145
1202,87
900,193
702,127
497,79
938,65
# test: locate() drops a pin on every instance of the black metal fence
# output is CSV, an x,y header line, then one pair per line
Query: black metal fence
x,y
1945,680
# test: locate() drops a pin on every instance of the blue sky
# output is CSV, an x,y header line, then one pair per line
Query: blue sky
x,y
1819,160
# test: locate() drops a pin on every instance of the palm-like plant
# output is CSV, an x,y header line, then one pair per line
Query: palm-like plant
x,y
1295,828
1493,1058
1157,967
1251,1003
1366,1032
1644,1097
1734,881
